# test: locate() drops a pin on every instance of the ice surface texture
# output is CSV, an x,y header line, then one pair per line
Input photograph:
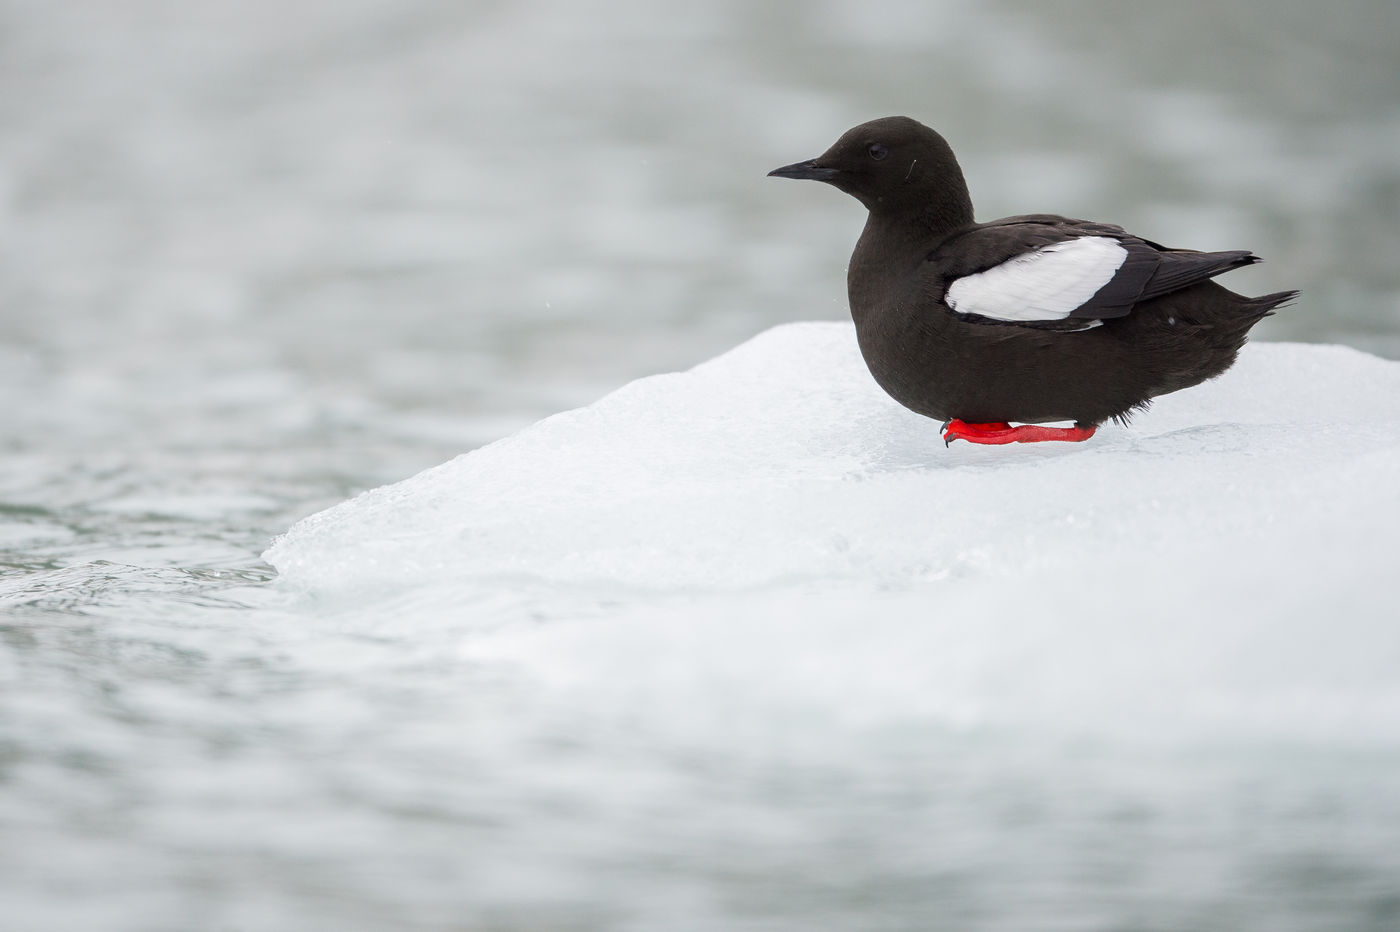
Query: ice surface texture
x,y
1232,551
782,460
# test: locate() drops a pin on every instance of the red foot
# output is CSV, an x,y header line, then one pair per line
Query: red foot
x,y
1001,432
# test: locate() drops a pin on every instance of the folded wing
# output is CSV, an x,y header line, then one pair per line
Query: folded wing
x,y
1069,274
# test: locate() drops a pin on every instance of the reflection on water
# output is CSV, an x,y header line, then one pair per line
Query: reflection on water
x,y
254,262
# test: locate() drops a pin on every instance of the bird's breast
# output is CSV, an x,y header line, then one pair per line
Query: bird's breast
x,y
908,354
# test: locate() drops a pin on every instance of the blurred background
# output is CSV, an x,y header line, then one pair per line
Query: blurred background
x,y
423,223
257,256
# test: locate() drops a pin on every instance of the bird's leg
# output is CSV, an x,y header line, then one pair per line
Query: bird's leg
x,y
1001,432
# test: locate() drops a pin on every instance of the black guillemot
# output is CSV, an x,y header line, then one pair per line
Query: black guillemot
x,y
1031,319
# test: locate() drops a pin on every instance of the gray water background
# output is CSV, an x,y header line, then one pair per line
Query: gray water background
x,y
256,257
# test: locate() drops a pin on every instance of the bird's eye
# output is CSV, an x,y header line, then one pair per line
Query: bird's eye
x,y
877,151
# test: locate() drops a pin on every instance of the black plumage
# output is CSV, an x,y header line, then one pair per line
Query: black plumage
x,y
1028,319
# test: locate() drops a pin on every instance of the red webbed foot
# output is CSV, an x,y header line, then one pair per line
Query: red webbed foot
x,y
1002,432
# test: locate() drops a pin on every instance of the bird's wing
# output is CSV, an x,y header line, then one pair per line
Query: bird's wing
x,y
1046,271
1034,272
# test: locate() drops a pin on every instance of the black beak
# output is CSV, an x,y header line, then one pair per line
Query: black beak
x,y
807,169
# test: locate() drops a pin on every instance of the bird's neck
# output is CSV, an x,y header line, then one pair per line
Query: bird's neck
x,y
894,244
929,215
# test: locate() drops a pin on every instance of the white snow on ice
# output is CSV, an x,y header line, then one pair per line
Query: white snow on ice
x,y
767,545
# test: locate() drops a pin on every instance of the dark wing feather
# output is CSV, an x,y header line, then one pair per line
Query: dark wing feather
x,y
1118,295
1181,268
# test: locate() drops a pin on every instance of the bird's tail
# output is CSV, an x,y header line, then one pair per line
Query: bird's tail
x,y
1267,304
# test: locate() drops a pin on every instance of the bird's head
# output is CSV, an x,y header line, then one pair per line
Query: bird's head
x,y
889,165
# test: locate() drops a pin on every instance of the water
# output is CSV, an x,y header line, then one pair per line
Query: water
x,y
255,262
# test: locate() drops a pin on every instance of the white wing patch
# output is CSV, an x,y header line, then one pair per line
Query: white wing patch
x,y
1047,284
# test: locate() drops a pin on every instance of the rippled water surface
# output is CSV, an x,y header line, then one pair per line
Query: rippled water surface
x,y
254,260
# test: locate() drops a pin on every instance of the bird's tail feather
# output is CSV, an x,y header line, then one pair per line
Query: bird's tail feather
x,y
1265,305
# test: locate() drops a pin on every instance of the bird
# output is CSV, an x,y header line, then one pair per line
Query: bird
x,y
1028,320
